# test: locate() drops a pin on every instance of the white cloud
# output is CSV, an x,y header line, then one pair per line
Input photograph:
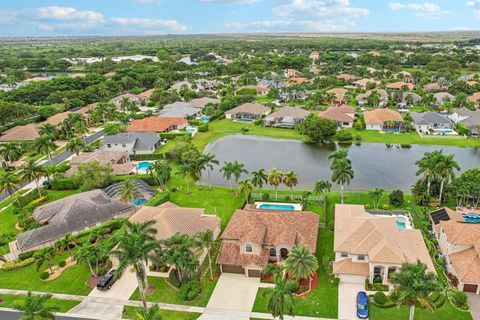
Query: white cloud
x,y
421,9
322,8
229,1
151,25
473,3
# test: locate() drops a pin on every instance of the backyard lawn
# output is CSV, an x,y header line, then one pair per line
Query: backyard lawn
x,y
130,313
445,312
7,300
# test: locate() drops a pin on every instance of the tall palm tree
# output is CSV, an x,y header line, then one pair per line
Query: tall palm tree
x,y
43,256
48,130
10,151
427,167
342,173
446,171
259,178
274,179
245,187
281,296
76,145
9,183
227,171
152,313
160,171
237,170
86,253
44,145
133,249
186,171
51,171
32,172
81,128
36,307
209,161
205,241
301,263
290,179
375,195
338,155
128,192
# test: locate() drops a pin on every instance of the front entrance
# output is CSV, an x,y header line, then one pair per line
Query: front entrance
x,y
283,253
470,288
253,273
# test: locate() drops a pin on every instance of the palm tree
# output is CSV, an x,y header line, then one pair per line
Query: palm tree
x,y
48,130
245,187
76,145
237,170
152,313
43,256
10,151
81,128
9,183
51,171
259,178
375,195
32,172
446,171
160,171
301,263
128,192
342,174
186,171
44,145
227,170
65,243
274,179
290,179
133,249
427,167
281,297
413,285
338,155
36,307
86,253
322,187
209,160
205,241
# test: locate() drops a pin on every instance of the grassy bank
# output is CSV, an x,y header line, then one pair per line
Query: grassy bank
x,y
130,313
7,301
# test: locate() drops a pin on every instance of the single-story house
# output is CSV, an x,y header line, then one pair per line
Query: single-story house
x,y
459,242
433,87
314,55
132,142
471,119
475,98
363,83
442,97
247,111
363,98
286,117
147,94
339,95
119,160
424,121
206,84
276,83
346,77
138,100
386,120
70,215
407,98
202,102
369,247
296,80
344,116
27,132
179,110
57,119
253,238
157,124
400,85
291,73
261,90
181,85
171,219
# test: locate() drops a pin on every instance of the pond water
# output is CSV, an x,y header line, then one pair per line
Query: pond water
x,y
374,164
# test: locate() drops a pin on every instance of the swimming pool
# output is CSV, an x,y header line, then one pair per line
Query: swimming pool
x,y
401,222
444,132
278,206
143,166
244,120
471,217
205,119
139,202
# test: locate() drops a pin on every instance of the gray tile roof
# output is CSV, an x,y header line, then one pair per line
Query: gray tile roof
x,y
141,139
178,110
429,117
70,214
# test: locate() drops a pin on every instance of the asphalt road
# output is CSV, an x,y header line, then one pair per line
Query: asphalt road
x,y
59,158
14,315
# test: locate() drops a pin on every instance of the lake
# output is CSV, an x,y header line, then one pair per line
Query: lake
x,y
374,164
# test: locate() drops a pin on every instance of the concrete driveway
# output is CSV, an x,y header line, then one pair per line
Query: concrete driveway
x,y
474,304
347,300
123,288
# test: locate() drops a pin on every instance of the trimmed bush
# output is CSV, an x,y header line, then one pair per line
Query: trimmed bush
x,y
62,263
203,127
64,184
158,199
44,275
344,135
17,264
386,207
459,299
396,198
26,255
172,278
265,196
145,177
189,290
380,298
172,135
150,156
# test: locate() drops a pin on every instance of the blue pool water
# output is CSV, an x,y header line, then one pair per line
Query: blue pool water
x,y
190,130
144,165
139,202
205,119
472,218
244,120
285,207
444,131
400,223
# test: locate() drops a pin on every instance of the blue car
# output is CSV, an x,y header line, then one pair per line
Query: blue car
x,y
362,305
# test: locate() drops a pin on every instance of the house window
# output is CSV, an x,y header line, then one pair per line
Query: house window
x,y
248,248
124,145
360,257
109,145
344,254
273,252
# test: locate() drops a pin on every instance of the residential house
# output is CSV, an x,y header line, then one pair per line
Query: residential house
x,y
475,98
426,121
459,242
70,215
119,161
138,100
171,219
346,77
286,117
157,124
132,142
178,86
314,70
291,73
433,87
340,94
441,98
146,95
57,119
400,85
293,94
200,103
276,83
27,132
344,116
405,99
253,238
206,85
364,98
314,55
247,112
363,83
372,247
406,77
187,61
296,80
179,110
385,120
471,119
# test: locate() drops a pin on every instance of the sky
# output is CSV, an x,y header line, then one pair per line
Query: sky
x,y
152,17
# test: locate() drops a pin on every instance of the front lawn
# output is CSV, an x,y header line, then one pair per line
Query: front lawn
x,y
445,312
7,300
130,313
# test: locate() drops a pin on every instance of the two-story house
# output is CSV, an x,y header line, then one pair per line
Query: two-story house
x,y
132,142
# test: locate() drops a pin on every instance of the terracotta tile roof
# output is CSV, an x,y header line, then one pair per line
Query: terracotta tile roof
x,y
103,157
230,254
358,232
253,108
347,266
57,118
28,132
297,80
399,85
147,94
380,116
474,97
170,219
287,111
345,76
466,264
364,82
202,102
340,114
155,124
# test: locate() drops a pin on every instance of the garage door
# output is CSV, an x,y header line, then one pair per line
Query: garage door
x,y
228,268
253,273
470,288
347,278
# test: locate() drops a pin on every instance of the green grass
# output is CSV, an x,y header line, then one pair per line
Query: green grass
x,y
445,312
130,313
8,300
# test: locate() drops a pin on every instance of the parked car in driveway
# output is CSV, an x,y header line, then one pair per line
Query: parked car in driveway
x,y
362,305
107,281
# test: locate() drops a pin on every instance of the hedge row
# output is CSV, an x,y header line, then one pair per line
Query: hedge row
x,y
17,264
158,199
71,184
150,156
172,135
145,177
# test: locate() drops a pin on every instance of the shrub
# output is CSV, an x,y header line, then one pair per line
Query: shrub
x,y
386,207
459,299
380,298
17,264
203,127
64,184
62,263
344,135
26,255
396,198
331,225
150,156
145,177
453,279
172,135
434,296
440,301
44,275
367,206
189,290
172,278
158,199
265,196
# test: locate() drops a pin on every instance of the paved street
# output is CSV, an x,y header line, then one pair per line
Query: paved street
x,y
14,315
